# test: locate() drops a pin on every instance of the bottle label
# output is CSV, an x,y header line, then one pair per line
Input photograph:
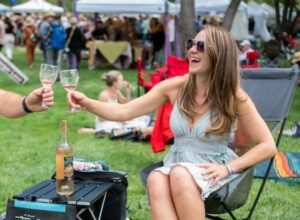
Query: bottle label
x,y
68,161
68,166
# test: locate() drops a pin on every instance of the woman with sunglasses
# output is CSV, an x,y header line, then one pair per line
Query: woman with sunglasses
x,y
207,104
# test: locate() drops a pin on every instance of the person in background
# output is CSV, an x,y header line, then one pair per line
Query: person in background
x,y
2,32
30,40
157,37
45,31
113,94
9,40
58,41
13,105
207,105
75,43
100,31
245,48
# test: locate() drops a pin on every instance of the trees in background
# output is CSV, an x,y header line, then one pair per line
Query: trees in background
x,y
286,21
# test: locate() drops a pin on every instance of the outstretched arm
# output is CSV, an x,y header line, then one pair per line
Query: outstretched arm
x,y
13,105
157,96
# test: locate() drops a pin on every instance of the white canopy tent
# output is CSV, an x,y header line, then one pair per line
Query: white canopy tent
x,y
269,9
37,6
219,6
125,7
239,28
3,8
260,17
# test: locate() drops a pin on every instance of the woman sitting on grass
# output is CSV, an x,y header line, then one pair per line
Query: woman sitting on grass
x,y
112,94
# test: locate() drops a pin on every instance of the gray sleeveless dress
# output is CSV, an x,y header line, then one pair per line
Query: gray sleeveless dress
x,y
193,147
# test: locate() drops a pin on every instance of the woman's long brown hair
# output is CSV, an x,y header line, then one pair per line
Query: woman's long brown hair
x,y
223,82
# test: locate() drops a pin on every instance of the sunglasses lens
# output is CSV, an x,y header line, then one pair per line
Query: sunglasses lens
x,y
200,46
189,44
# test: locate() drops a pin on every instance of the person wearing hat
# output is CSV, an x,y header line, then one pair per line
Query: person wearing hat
x,y
245,48
45,30
30,40
296,58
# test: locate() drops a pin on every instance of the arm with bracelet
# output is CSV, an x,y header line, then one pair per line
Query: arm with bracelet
x,y
13,105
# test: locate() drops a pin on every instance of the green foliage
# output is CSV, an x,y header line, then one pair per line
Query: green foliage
x,y
27,148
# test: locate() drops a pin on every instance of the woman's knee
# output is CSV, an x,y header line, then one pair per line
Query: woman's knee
x,y
181,181
157,184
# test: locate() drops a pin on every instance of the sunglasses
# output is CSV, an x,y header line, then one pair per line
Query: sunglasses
x,y
199,45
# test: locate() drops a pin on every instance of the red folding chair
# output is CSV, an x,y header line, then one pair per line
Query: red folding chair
x,y
177,67
142,82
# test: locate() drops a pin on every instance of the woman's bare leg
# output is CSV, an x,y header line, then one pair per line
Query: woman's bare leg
x,y
161,203
186,195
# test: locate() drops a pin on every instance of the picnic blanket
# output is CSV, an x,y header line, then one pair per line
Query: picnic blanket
x,y
286,168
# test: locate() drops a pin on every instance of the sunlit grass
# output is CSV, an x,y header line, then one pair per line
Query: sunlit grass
x,y
27,147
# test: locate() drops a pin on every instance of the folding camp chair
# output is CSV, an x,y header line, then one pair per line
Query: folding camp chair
x,y
271,90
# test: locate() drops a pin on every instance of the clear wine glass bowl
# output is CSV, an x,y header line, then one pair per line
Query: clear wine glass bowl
x,y
69,79
48,75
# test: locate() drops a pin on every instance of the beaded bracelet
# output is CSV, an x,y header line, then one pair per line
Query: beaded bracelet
x,y
25,107
229,169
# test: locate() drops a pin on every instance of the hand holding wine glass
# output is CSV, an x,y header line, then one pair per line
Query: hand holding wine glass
x,y
48,75
69,79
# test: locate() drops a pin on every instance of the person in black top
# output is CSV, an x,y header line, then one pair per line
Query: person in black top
x,y
75,43
100,32
157,37
10,30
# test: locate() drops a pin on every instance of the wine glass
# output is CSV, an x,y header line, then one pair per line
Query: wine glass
x,y
69,79
48,75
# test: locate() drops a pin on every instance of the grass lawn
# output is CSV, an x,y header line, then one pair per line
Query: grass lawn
x,y
27,148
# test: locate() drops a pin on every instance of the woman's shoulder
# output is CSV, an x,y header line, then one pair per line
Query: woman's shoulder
x,y
244,102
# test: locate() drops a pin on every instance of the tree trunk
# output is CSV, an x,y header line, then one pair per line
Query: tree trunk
x,y
187,22
278,22
230,13
63,4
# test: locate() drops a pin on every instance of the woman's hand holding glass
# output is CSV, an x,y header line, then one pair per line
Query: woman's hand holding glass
x,y
48,75
69,79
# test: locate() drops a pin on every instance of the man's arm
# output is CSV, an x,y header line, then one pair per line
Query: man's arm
x,y
13,105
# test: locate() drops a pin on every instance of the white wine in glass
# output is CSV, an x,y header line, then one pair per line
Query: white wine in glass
x,y
69,79
48,75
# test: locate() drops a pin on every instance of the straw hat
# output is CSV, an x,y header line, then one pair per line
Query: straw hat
x,y
29,22
245,42
73,21
296,57
49,14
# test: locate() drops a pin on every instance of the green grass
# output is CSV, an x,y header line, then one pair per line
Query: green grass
x,y
27,148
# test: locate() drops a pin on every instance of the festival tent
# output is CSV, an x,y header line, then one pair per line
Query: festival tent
x,y
125,7
260,17
37,6
218,6
3,8
269,9
239,28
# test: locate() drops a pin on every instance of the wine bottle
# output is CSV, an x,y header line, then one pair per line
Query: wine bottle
x,y
64,164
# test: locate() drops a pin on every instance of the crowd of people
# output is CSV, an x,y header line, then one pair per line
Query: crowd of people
x,y
55,34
